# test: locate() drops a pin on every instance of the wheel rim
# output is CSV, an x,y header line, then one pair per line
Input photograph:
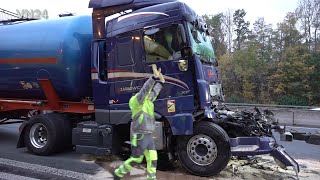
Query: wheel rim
x,y
202,150
38,135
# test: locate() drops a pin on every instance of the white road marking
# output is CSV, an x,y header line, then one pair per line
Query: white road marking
x,y
102,174
7,176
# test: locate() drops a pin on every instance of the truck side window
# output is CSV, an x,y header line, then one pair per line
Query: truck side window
x,y
162,44
102,59
125,50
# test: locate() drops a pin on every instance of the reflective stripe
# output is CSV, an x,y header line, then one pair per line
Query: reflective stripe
x,y
153,155
123,170
128,166
135,117
117,173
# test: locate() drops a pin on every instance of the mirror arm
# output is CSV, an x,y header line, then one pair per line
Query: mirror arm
x,y
183,33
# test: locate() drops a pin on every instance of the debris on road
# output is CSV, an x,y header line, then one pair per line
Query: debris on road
x,y
239,168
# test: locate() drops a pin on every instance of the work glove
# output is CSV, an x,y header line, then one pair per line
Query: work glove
x,y
161,77
156,73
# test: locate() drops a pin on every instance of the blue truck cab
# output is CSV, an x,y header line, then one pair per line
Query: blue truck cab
x,y
155,35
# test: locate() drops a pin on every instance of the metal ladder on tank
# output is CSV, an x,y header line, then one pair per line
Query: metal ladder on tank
x,y
7,17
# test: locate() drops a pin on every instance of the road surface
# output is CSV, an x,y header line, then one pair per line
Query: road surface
x,y
20,164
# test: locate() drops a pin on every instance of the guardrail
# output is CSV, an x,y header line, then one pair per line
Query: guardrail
x,y
305,116
272,106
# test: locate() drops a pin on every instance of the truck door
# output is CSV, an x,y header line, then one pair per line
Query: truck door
x,y
124,75
162,47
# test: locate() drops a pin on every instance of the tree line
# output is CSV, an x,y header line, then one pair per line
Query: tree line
x,y
270,65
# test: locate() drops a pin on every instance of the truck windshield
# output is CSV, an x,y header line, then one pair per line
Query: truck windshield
x,y
201,45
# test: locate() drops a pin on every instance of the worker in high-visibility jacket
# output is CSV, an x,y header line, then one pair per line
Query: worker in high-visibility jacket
x,y
142,126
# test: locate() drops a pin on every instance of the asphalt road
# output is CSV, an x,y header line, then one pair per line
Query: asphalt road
x,y
20,164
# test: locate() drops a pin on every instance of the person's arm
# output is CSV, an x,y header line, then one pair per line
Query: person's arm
x,y
156,90
146,88
158,86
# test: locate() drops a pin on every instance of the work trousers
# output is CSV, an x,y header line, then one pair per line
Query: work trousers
x,y
142,145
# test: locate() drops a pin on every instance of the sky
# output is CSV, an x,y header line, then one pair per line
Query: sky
x,y
273,11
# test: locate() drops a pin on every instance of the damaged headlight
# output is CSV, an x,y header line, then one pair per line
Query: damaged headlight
x,y
272,144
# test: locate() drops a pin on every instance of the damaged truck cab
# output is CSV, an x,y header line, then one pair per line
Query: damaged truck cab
x,y
171,35
69,81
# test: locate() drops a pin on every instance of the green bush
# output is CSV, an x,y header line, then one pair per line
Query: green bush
x,y
293,100
234,99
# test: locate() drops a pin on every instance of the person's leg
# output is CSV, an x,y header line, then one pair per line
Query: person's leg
x,y
151,158
127,166
138,147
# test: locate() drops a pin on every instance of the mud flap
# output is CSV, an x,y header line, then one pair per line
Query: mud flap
x,y
284,160
20,143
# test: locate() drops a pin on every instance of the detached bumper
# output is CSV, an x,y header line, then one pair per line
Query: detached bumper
x,y
251,146
284,160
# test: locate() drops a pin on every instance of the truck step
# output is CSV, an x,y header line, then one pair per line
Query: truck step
x,y
245,148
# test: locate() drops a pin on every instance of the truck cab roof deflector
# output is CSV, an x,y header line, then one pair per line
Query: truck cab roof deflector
x,y
129,4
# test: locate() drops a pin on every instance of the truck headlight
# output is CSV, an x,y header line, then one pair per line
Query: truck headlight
x,y
272,144
208,97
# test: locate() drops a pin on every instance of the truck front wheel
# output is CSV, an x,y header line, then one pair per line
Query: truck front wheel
x,y
47,133
205,153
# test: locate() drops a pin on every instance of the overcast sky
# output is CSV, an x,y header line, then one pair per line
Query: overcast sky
x,y
272,10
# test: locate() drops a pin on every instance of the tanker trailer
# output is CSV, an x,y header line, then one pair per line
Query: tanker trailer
x,y
57,49
45,67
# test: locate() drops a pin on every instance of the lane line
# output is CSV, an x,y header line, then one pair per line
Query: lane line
x,y
54,171
7,176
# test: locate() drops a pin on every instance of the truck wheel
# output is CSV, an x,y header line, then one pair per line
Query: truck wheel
x,y
46,134
205,153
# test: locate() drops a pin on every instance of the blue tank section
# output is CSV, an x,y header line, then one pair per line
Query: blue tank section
x,y
58,49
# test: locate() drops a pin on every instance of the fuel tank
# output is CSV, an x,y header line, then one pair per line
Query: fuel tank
x,y
56,49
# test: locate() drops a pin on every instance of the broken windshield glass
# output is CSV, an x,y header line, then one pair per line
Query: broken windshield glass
x,y
201,45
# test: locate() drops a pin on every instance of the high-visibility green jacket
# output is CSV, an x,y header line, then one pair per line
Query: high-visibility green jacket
x,y
142,107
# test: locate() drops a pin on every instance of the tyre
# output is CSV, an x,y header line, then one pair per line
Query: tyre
x,y
205,153
46,134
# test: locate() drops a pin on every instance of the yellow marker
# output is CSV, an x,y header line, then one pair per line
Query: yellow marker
x,y
171,105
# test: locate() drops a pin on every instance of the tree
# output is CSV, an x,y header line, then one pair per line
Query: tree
x,y
286,35
316,24
241,27
251,72
263,35
292,76
228,29
230,80
309,17
315,77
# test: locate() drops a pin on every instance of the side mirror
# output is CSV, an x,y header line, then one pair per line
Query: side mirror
x,y
186,52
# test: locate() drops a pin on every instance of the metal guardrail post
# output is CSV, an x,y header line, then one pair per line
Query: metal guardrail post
x,y
293,123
